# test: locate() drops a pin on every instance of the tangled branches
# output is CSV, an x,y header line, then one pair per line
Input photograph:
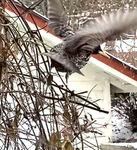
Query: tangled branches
x,y
37,112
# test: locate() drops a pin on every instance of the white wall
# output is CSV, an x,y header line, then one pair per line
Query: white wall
x,y
100,85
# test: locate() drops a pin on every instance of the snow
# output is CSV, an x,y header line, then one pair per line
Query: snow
x,y
126,45
123,46
121,128
129,145
128,64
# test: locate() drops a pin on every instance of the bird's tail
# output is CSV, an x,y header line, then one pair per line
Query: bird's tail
x,y
64,61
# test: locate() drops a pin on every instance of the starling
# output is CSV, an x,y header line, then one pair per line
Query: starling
x,y
73,53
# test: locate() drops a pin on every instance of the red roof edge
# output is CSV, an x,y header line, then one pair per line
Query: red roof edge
x,y
31,16
118,65
41,22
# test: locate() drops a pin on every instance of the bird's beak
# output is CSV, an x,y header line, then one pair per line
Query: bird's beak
x,y
104,54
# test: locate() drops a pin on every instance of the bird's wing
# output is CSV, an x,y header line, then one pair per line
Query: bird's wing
x,y
56,15
64,61
104,28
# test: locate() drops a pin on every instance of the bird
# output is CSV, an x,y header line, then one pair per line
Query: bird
x,y
74,52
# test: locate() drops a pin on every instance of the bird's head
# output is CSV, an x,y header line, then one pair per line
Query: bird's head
x,y
98,50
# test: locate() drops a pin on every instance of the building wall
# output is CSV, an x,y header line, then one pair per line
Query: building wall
x,y
98,87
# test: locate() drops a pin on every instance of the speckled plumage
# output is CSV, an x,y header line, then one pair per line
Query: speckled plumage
x,y
79,59
73,53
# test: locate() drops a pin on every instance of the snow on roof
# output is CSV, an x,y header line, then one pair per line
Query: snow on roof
x,y
129,146
123,62
41,21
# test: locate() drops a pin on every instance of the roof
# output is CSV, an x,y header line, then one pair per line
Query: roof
x,y
31,16
112,64
128,56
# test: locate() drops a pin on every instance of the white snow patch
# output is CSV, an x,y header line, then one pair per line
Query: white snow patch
x,y
121,128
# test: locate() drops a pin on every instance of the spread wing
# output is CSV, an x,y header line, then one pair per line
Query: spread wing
x,y
104,28
57,17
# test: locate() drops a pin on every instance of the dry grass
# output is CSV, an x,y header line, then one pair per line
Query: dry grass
x,y
35,111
